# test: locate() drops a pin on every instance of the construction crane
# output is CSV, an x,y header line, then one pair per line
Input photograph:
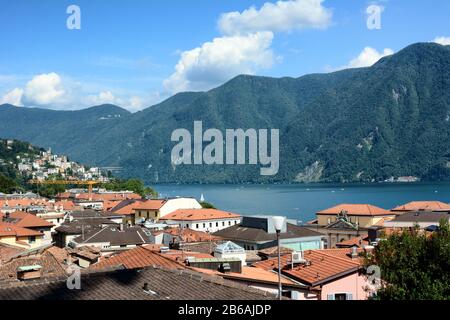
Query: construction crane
x,y
89,183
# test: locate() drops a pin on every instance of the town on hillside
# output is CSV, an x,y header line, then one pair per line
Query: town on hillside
x,y
79,245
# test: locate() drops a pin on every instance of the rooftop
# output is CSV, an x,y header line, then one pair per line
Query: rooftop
x,y
114,236
424,206
199,214
237,232
356,210
153,283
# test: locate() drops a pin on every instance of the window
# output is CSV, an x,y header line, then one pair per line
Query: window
x,y
32,239
196,226
340,296
217,224
204,225
210,224
223,223
229,223
187,225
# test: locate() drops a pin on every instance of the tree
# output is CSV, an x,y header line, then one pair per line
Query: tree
x,y
207,205
414,265
7,185
134,185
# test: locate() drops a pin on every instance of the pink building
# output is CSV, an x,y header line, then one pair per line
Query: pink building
x,y
333,274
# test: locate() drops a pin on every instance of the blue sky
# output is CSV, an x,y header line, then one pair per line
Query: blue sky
x,y
126,52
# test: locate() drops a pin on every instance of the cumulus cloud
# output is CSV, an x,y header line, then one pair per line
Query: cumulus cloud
x,y
13,97
221,59
445,41
277,17
368,57
104,97
44,89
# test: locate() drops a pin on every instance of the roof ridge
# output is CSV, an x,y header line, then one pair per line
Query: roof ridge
x,y
332,256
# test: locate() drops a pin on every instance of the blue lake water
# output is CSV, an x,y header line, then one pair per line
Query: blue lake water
x,y
300,202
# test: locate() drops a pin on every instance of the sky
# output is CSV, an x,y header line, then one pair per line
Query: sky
x,y
137,53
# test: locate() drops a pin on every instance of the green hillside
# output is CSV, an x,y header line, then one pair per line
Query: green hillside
x,y
368,124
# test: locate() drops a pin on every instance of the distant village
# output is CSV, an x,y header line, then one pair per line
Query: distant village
x,y
46,165
182,250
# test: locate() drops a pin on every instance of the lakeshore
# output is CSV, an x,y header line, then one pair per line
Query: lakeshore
x,y
302,201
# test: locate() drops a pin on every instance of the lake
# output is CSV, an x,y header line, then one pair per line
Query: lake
x,y
300,202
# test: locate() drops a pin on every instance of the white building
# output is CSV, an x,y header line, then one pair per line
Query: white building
x,y
205,220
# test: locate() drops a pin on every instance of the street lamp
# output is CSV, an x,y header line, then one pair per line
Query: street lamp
x,y
278,223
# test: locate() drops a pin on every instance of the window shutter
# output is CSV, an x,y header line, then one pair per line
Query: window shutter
x,y
349,296
330,297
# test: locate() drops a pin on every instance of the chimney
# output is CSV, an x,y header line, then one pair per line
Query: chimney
x,y
354,254
121,227
146,287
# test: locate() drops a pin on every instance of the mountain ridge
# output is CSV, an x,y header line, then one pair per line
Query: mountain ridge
x,y
354,125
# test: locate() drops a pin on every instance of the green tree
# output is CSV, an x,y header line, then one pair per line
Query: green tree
x,y
7,185
207,205
414,265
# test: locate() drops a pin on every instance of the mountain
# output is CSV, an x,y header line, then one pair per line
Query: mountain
x,y
10,177
367,124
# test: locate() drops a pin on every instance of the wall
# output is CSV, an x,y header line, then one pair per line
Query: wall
x,y
364,222
353,284
181,203
208,225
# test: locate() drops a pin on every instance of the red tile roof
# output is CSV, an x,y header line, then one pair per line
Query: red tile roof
x,y
356,210
249,274
9,229
357,241
138,257
423,206
189,235
150,205
324,265
28,220
199,214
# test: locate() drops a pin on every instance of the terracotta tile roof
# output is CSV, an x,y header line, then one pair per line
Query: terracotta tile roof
x,y
356,210
138,257
199,214
273,251
357,241
7,252
50,266
9,229
189,235
163,284
424,206
250,274
150,205
27,220
12,203
324,265
125,207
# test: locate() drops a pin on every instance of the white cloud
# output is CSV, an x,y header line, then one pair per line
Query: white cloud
x,y
368,57
104,97
44,89
277,17
13,97
445,41
217,61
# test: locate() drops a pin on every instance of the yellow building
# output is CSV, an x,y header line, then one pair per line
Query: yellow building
x,y
362,215
20,237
